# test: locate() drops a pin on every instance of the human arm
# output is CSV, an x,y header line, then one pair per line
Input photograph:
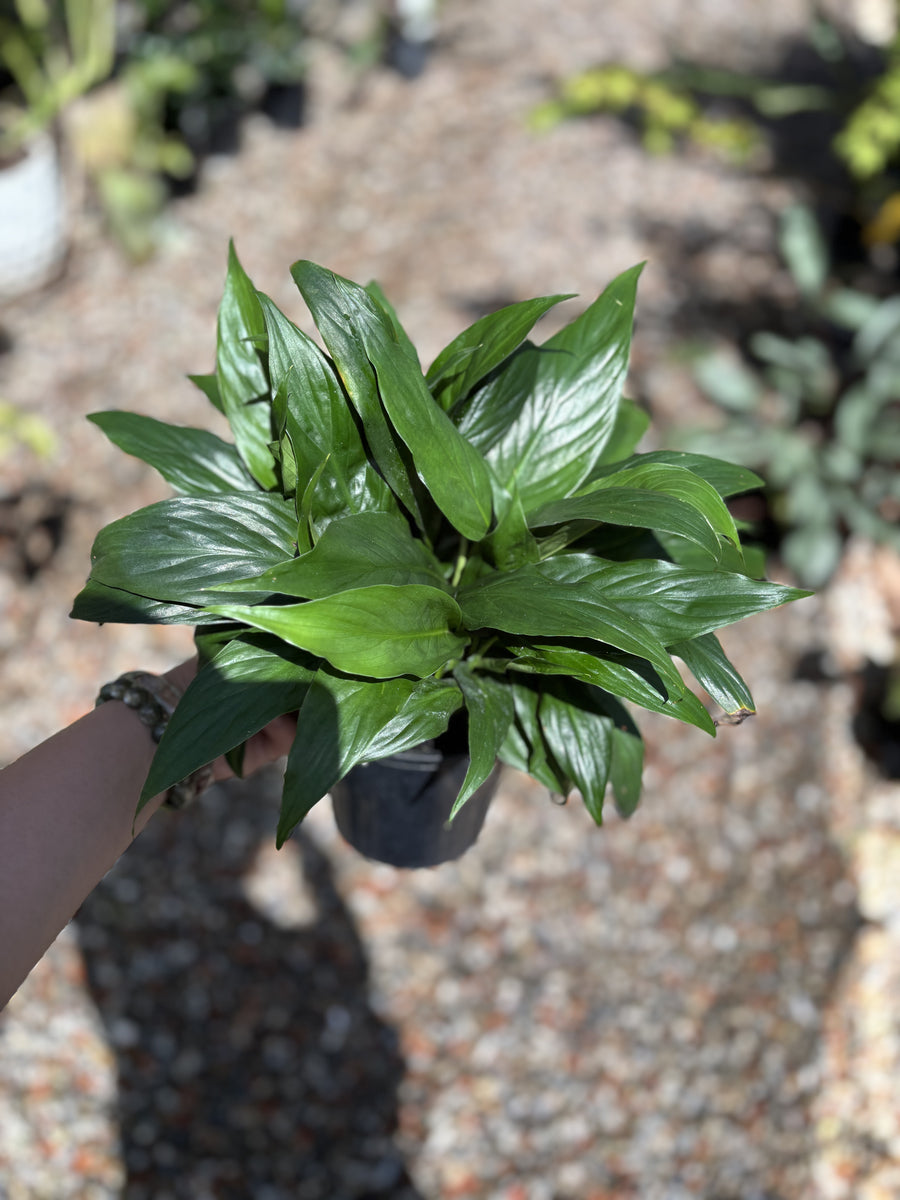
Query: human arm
x,y
67,813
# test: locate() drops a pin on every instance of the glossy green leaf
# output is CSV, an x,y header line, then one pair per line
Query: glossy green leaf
x,y
579,735
250,682
635,508
525,746
378,631
680,483
621,674
209,386
194,461
452,470
671,602
176,550
375,291
632,422
627,765
688,554
486,414
571,388
100,603
727,478
489,704
353,552
528,602
510,543
340,310
312,411
713,670
476,351
345,721
305,502
242,383
210,639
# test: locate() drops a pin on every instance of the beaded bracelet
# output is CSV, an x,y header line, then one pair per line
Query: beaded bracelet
x,y
153,700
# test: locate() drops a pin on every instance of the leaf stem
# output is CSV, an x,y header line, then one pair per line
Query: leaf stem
x,y
461,560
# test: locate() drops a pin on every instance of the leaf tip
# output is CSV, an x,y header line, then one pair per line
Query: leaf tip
x,y
738,717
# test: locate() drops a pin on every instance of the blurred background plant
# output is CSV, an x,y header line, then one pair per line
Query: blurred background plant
x,y
50,53
144,90
20,430
815,411
234,56
188,72
848,74
120,140
663,111
809,394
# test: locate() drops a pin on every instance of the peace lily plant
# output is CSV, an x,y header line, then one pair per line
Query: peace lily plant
x,y
380,549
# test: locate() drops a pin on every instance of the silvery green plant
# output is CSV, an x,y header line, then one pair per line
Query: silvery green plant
x,y
381,549
817,414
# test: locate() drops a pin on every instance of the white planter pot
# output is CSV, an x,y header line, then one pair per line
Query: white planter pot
x,y
32,220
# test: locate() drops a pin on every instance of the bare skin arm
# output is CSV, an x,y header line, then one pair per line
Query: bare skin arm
x,y
67,813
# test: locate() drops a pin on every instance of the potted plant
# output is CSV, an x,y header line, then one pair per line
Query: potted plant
x,y
49,62
398,556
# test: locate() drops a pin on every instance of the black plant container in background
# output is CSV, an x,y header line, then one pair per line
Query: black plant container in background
x,y
395,810
285,104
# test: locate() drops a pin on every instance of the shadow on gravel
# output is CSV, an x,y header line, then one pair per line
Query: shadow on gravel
x,y
249,1060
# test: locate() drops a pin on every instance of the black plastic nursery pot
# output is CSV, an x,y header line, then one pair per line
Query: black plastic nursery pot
x,y
395,810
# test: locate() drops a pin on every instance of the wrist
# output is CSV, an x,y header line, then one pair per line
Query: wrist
x,y
154,699
183,675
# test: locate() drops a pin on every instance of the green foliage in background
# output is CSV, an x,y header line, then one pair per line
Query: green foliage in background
x,y
664,111
380,547
232,49
819,413
680,103
24,431
53,52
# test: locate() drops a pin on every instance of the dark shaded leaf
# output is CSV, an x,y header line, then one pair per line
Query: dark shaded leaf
x,y
627,765
194,461
579,735
345,721
242,383
491,710
452,470
100,603
621,674
632,422
510,543
250,682
313,413
339,308
209,386
528,602
525,746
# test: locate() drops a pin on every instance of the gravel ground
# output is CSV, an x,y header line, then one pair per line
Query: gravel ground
x,y
700,1002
